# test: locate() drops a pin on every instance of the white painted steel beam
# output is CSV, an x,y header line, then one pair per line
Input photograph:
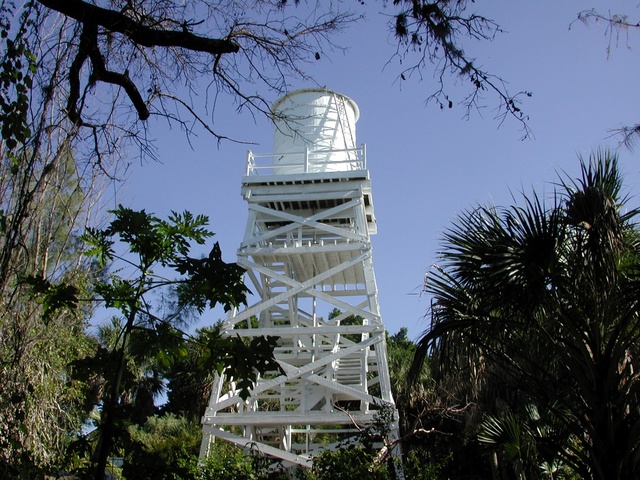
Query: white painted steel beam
x,y
244,315
297,221
303,460
294,373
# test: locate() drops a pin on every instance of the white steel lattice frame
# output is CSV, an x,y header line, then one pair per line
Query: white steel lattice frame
x,y
307,250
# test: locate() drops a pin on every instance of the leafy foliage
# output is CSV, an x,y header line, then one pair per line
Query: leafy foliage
x,y
361,456
162,448
536,306
521,442
42,321
429,418
208,275
52,297
354,461
149,337
18,64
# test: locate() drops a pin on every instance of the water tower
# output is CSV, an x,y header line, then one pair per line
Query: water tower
x,y
307,252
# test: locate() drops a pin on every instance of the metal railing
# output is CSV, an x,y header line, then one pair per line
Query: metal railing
x,y
307,161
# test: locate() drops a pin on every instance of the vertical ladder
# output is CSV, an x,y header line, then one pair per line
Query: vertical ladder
x,y
347,132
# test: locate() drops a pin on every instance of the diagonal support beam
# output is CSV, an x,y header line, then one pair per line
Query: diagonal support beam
x,y
243,442
297,372
299,287
338,388
312,221
348,308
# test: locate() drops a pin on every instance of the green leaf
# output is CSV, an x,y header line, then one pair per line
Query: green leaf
x,y
118,294
52,297
139,230
210,281
100,246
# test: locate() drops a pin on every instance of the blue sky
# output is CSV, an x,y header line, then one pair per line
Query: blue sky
x,y
428,164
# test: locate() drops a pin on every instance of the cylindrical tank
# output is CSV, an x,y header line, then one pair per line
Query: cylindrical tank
x,y
315,131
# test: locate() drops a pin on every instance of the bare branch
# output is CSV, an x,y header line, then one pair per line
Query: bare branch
x,y
629,135
432,31
136,31
616,26
114,55
195,116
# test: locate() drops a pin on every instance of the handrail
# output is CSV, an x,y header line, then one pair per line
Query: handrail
x,y
306,161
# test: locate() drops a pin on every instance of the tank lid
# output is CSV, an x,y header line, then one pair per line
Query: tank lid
x,y
324,91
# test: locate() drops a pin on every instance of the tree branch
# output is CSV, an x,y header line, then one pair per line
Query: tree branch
x,y
433,31
137,32
88,48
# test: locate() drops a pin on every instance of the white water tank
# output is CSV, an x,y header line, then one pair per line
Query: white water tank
x,y
315,131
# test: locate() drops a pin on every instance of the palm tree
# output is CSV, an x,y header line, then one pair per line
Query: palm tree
x,y
537,305
191,378
141,380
